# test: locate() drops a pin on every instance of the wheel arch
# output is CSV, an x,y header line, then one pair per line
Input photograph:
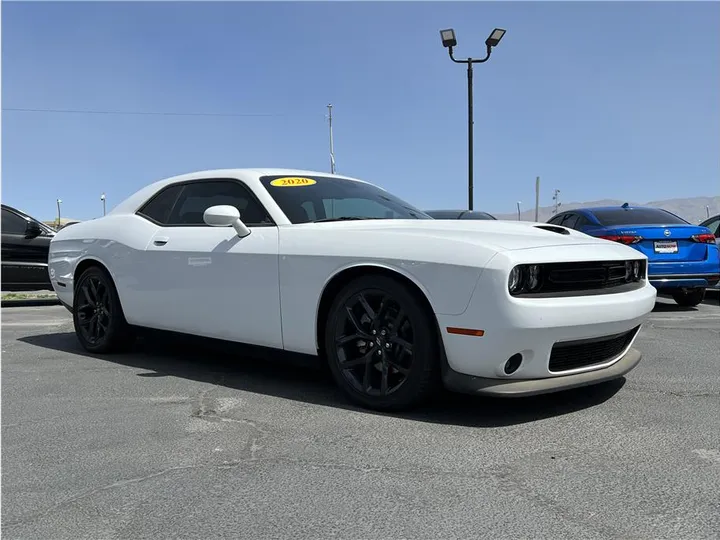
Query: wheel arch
x,y
345,275
88,262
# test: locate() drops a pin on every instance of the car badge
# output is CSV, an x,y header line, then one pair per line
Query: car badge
x,y
667,232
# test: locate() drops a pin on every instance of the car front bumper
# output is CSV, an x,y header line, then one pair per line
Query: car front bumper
x,y
468,384
534,327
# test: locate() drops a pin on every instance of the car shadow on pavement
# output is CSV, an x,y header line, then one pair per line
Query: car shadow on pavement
x,y
302,379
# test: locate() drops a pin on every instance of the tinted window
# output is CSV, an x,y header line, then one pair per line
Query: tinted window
x,y
336,198
570,221
476,215
12,223
197,197
444,214
637,216
714,226
159,207
557,219
582,221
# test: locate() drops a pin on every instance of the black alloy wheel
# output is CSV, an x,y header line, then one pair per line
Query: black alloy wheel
x,y
381,344
99,321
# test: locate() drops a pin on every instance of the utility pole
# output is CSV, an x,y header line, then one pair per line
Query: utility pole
x,y
537,198
556,198
58,208
332,149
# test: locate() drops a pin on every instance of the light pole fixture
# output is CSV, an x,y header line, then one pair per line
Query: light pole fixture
x,y
58,208
102,198
449,41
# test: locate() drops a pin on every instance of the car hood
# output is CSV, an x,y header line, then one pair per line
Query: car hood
x,y
501,235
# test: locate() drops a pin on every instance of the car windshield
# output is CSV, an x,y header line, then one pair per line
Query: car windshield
x,y
637,216
320,198
444,214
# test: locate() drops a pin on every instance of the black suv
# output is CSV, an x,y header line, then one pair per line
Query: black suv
x,y
25,247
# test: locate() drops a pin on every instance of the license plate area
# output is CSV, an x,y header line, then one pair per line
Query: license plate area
x,y
666,246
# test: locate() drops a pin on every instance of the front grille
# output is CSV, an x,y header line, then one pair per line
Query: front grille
x,y
585,276
567,355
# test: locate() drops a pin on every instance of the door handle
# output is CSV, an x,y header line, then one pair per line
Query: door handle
x,y
161,240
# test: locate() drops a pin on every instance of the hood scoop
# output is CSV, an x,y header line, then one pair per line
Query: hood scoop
x,y
553,228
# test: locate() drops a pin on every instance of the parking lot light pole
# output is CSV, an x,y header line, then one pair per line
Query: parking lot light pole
x,y
102,198
449,41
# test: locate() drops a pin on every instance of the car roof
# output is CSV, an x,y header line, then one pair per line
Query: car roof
x,y
251,176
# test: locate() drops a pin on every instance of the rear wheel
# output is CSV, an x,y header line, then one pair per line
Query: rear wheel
x,y
688,297
381,344
98,317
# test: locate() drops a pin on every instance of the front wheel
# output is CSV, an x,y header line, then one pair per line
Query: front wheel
x,y
98,317
688,297
381,344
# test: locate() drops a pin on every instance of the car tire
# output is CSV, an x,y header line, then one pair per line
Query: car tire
x,y
689,297
98,317
382,356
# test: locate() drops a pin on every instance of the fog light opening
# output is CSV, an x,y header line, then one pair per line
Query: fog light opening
x,y
513,363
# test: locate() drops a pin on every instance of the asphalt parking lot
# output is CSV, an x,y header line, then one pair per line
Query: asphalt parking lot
x,y
200,442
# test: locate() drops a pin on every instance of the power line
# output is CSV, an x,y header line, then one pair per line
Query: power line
x,y
141,113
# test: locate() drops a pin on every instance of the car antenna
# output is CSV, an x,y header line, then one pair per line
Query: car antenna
x,y
625,205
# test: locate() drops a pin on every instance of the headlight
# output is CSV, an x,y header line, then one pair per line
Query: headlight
x,y
515,281
533,277
628,270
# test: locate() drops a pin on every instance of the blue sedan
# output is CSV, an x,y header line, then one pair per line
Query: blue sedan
x,y
683,258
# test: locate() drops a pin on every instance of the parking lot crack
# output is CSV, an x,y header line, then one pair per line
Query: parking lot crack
x,y
208,409
93,491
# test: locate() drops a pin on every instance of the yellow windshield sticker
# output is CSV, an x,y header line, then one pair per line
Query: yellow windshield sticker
x,y
292,181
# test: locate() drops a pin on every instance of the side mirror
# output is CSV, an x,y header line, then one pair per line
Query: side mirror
x,y
224,215
32,230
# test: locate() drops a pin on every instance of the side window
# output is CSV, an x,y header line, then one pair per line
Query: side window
x,y
12,223
159,207
570,221
582,222
714,227
197,197
557,219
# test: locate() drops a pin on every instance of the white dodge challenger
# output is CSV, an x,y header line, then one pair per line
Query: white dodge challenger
x,y
395,302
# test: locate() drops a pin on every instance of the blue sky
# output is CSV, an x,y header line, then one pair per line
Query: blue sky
x,y
602,100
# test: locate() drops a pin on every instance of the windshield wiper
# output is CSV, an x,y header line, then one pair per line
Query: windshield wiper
x,y
344,218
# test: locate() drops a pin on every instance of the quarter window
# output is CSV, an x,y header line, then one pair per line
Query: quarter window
x,y
570,221
159,207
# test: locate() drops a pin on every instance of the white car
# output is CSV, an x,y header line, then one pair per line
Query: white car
x,y
396,302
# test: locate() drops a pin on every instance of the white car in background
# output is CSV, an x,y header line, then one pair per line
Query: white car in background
x,y
396,303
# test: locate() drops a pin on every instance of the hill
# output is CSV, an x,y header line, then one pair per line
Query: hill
x,y
691,209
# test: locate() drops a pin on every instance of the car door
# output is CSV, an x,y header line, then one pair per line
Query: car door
x,y
24,255
205,280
